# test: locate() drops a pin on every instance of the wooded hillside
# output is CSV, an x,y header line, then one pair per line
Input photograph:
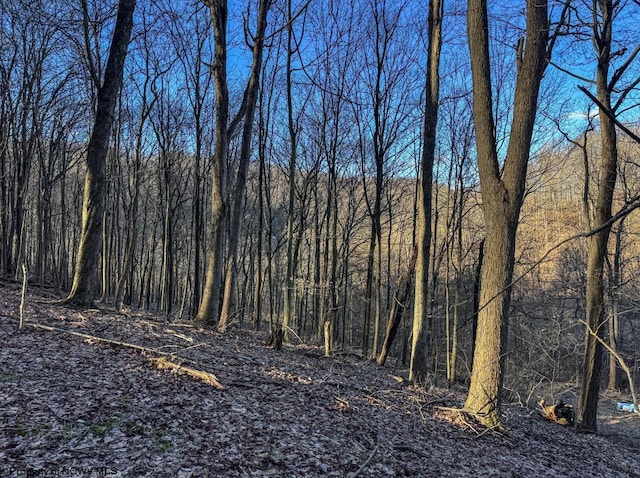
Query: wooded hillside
x,y
448,187
71,399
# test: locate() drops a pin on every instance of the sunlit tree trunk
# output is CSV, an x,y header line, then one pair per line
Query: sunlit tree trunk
x,y
418,366
502,193
84,286
209,309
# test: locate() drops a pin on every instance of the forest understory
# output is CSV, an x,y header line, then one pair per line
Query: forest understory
x,y
69,400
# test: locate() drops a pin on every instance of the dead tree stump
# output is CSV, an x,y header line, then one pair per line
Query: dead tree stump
x,y
275,339
560,413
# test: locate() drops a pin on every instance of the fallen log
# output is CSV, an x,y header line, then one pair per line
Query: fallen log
x,y
160,362
560,413
206,377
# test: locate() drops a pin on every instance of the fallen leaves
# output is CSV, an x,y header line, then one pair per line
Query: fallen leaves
x,y
67,402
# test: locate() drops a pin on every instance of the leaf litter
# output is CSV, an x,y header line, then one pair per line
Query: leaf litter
x,y
150,397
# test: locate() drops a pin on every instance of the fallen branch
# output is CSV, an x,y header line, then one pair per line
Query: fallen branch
x,y
560,413
161,363
99,339
621,362
291,331
364,465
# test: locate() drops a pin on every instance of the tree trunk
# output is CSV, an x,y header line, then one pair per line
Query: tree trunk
x,y
597,243
289,299
245,154
366,325
400,299
210,305
83,290
502,194
418,365
477,278
614,319
132,230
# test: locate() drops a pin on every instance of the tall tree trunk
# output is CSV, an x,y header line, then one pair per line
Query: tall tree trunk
x,y
85,279
209,309
597,243
418,365
245,154
289,304
257,294
502,194
132,230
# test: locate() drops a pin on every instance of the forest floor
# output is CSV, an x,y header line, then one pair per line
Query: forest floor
x,y
72,405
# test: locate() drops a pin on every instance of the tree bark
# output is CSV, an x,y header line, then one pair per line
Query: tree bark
x,y
209,309
597,243
418,363
245,153
83,290
502,194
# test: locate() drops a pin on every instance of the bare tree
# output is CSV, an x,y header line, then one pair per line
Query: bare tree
x,y
386,91
210,305
293,130
604,13
250,100
418,366
502,192
85,278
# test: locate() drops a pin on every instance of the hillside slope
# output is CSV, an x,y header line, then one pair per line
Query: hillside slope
x,y
72,401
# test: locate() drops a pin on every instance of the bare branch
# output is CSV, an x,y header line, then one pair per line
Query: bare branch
x,y
570,73
624,212
620,361
620,71
610,114
87,44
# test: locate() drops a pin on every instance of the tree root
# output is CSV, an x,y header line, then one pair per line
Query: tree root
x,y
472,421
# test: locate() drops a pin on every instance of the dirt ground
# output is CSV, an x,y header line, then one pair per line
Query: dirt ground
x,y
74,405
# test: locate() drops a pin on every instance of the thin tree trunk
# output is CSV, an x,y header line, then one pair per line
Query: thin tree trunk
x,y
418,365
396,312
614,319
132,234
257,294
245,154
289,305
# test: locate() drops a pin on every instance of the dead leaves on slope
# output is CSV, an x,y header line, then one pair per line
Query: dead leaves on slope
x,y
64,401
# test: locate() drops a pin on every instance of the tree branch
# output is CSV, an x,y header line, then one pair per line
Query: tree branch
x,y
609,114
620,361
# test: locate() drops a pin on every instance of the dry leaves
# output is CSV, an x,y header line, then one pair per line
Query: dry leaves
x,y
70,401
